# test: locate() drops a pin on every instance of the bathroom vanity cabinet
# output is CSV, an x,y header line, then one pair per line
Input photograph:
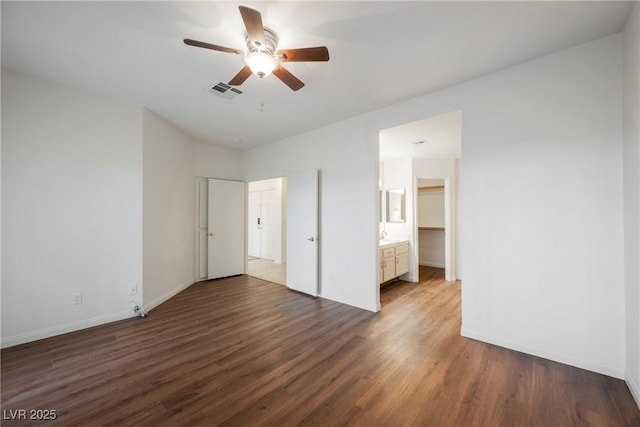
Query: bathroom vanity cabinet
x,y
394,260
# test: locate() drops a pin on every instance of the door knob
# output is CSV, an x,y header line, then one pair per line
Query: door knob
x,y
311,239
212,234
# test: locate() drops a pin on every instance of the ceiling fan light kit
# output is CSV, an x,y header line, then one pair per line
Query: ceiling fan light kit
x,y
262,58
261,64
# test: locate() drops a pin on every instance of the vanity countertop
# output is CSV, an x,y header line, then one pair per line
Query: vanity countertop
x,y
392,243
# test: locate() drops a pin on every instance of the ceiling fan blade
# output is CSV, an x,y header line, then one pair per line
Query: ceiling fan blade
x,y
320,53
287,78
240,78
197,43
253,23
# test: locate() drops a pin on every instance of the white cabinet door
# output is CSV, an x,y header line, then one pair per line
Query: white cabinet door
x,y
388,269
402,264
226,225
302,232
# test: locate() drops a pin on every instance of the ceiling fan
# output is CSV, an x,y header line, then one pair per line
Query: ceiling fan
x,y
262,58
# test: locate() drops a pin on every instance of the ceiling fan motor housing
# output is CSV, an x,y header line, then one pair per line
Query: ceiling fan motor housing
x,y
270,43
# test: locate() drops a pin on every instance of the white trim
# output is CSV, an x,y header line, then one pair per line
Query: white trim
x,y
65,328
173,292
197,229
634,389
449,233
431,264
556,357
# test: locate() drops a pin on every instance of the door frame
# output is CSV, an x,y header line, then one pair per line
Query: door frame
x,y
280,250
202,186
450,231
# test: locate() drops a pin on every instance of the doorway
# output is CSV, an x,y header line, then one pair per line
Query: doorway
x,y
266,230
433,229
423,158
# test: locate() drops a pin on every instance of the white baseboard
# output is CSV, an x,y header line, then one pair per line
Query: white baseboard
x,y
556,357
88,323
634,389
173,292
432,264
63,329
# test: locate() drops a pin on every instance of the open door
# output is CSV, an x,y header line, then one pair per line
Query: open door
x,y
226,225
302,232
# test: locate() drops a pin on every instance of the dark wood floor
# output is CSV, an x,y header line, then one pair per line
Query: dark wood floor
x,y
242,351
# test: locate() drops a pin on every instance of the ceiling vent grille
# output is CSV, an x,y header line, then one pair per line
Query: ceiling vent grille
x,y
224,91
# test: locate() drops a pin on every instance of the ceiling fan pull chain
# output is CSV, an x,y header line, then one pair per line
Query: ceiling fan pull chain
x,y
262,95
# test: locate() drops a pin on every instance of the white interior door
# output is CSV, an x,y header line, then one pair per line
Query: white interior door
x,y
302,232
253,227
267,246
226,225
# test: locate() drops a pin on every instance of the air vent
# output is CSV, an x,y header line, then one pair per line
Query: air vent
x,y
224,91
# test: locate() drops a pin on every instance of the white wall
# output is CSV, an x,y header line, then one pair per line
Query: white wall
x,y
631,169
283,221
168,210
431,208
72,208
211,161
434,168
541,202
72,181
541,207
431,248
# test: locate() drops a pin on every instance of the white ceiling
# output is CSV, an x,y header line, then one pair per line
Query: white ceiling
x,y
381,53
437,137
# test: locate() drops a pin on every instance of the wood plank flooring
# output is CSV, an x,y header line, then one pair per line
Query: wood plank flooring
x,y
245,352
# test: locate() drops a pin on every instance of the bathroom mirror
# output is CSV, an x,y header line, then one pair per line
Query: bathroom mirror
x,y
395,205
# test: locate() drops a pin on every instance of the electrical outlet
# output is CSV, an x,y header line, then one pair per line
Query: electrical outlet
x,y
133,289
76,298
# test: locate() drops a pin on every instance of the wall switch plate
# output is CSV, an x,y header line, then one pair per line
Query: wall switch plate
x,y
133,289
76,298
